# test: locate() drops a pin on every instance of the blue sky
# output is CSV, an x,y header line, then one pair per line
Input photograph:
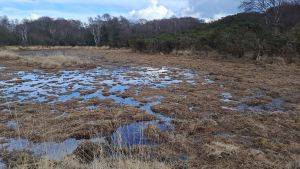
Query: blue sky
x,y
132,9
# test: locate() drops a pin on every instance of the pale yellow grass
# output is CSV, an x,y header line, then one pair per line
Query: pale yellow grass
x,y
8,55
216,149
119,163
18,48
55,61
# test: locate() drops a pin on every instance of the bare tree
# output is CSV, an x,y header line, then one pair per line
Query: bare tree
x,y
23,31
270,7
95,25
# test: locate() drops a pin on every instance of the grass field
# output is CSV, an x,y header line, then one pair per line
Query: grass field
x,y
87,107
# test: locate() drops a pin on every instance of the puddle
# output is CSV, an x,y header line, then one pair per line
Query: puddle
x,y
2,165
92,107
194,109
229,108
12,125
226,97
275,105
207,80
53,150
133,134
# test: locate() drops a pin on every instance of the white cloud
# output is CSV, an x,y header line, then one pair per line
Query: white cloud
x,y
153,11
215,17
33,16
132,9
154,2
188,11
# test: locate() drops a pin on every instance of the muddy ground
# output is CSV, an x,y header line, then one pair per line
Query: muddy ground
x,y
228,114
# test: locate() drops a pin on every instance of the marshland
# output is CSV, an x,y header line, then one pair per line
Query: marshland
x,y
198,96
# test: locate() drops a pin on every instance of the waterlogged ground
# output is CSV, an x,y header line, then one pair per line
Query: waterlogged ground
x,y
66,85
187,112
103,83
83,85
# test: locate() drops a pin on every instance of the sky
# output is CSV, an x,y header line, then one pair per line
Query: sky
x,y
131,9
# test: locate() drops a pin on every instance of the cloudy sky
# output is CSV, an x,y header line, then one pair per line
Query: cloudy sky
x,y
132,9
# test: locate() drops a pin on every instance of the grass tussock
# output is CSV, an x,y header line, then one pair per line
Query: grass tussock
x,y
25,161
89,155
8,55
120,163
53,61
56,62
71,162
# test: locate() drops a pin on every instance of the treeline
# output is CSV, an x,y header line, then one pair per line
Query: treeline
x,y
101,30
262,30
251,34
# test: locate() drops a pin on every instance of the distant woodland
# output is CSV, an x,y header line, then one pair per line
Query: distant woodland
x,y
265,28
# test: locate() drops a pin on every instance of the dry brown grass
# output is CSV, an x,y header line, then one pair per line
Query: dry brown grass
x,y
217,149
266,140
72,163
24,160
37,48
119,163
39,124
57,62
8,55
54,61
